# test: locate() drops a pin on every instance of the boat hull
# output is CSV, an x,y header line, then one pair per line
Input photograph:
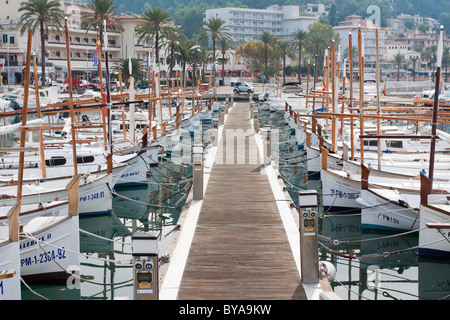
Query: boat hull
x,y
431,243
41,262
381,213
339,193
95,193
9,260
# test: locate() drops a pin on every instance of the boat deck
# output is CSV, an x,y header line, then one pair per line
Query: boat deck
x,y
240,248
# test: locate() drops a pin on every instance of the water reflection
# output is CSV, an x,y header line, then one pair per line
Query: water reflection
x,y
358,255
369,265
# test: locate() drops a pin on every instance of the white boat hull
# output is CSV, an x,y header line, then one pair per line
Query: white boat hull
x,y
431,242
9,260
339,193
379,213
95,193
60,244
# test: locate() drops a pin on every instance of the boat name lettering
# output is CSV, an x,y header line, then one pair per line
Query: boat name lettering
x,y
130,174
386,217
340,227
33,242
49,256
343,194
93,196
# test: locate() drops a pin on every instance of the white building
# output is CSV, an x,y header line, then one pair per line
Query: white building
x,y
248,24
82,43
368,30
395,48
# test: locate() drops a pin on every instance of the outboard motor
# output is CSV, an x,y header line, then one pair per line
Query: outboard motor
x,y
14,105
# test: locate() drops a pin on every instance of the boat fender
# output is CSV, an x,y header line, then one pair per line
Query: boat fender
x,y
327,269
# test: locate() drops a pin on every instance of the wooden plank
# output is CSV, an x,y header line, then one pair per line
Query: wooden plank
x,y
438,225
240,249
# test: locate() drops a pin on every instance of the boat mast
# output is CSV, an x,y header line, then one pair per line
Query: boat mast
x,y
24,118
377,70
435,107
38,108
361,94
108,89
350,55
72,113
333,96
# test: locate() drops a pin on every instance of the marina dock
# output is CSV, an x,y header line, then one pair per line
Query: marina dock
x,y
235,243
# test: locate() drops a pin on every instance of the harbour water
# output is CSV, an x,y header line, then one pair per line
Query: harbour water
x,y
369,265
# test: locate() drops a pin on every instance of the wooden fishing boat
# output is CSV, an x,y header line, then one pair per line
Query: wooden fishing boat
x,y
10,287
434,232
95,195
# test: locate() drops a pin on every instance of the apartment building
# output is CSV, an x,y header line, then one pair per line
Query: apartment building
x,y
82,43
368,30
248,24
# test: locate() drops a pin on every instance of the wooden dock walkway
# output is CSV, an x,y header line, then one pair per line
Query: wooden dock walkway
x,y
240,248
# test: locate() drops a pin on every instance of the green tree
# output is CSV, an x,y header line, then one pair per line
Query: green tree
x,y
409,23
286,50
137,66
40,14
355,54
186,51
414,60
298,38
267,39
157,21
320,36
204,57
171,36
444,19
214,28
423,27
399,59
332,15
224,44
102,10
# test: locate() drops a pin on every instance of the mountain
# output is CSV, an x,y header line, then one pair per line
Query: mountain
x,y
189,13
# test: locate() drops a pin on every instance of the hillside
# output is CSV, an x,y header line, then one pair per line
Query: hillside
x,y
189,13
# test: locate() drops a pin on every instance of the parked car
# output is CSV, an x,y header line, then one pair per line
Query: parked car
x,y
243,87
94,84
115,85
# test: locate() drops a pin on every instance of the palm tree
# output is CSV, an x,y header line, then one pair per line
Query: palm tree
x,y
286,50
171,36
204,57
156,21
102,10
224,44
186,51
137,66
42,14
398,60
266,38
414,60
298,37
214,28
355,54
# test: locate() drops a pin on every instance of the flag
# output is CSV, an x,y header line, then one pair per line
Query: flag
x,y
98,49
441,84
384,90
324,87
173,83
